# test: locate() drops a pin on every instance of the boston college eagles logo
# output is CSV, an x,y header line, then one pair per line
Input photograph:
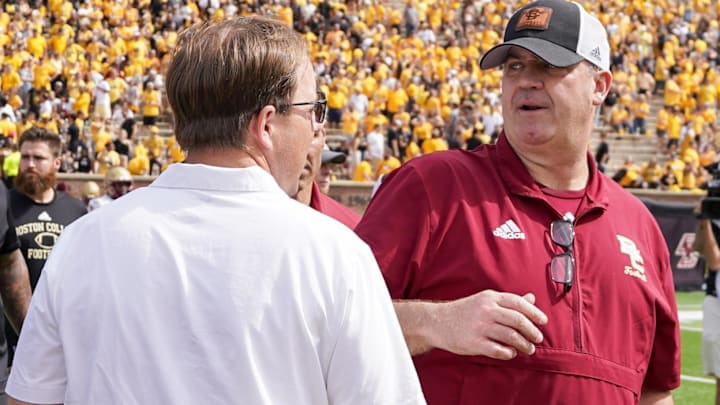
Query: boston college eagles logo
x,y
688,256
535,18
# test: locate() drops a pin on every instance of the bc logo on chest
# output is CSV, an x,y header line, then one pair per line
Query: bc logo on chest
x,y
636,268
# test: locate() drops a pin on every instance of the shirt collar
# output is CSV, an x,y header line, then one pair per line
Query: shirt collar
x,y
215,178
519,181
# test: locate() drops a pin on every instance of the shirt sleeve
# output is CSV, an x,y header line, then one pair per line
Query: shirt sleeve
x,y
370,363
38,372
398,226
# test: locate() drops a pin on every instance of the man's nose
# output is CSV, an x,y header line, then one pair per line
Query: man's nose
x,y
530,78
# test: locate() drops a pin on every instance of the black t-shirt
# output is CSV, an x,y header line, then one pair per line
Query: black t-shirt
x,y
84,164
74,132
38,226
472,143
128,126
121,148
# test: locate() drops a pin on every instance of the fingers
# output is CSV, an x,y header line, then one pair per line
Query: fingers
x,y
505,342
516,323
523,305
499,351
514,330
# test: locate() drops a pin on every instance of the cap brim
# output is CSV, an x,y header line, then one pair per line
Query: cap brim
x,y
329,156
553,54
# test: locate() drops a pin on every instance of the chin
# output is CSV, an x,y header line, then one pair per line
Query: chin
x,y
530,134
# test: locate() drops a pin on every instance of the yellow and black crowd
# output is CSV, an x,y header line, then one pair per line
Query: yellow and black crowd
x,y
401,79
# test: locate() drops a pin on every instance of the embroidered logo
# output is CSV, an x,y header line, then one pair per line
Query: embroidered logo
x,y
595,54
44,216
636,268
534,18
509,230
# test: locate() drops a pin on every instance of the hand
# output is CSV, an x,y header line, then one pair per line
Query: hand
x,y
490,323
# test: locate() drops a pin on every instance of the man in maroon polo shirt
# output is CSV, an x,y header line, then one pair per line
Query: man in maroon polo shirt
x,y
521,275
317,162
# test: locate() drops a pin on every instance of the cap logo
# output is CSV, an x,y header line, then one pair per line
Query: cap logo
x,y
595,53
534,18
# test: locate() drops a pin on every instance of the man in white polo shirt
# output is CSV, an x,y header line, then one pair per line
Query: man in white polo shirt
x,y
212,285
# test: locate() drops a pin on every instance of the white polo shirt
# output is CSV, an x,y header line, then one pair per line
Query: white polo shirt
x,y
212,286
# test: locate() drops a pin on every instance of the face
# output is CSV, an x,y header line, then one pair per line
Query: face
x,y
323,178
37,168
296,135
118,189
312,162
547,106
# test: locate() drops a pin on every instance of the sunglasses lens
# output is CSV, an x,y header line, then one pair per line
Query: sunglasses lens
x,y
562,233
562,267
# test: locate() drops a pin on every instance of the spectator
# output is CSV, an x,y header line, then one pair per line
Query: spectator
x,y
106,159
337,99
90,190
150,105
83,163
101,98
7,109
364,171
376,144
640,110
118,182
602,153
38,210
11,164
387,164
8,129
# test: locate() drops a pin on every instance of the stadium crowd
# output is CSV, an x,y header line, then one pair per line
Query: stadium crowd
x,y
401,79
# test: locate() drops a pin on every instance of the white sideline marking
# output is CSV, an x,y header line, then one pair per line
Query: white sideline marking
x,y
689,316
697,379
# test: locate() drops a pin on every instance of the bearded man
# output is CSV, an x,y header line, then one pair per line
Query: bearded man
x,y
38,210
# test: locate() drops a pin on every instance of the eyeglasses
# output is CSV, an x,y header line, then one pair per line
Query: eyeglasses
x,y
562,266
319,107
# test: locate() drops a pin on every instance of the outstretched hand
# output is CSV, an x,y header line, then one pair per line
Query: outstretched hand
x,y
489,323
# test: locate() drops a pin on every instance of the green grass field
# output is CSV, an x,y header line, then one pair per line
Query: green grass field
x,y
696,388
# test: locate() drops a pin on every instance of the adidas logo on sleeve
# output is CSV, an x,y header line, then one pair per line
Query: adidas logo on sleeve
x,y
509,230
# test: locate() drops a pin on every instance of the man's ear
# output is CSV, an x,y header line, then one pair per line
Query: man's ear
x,y
603,80
261,127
